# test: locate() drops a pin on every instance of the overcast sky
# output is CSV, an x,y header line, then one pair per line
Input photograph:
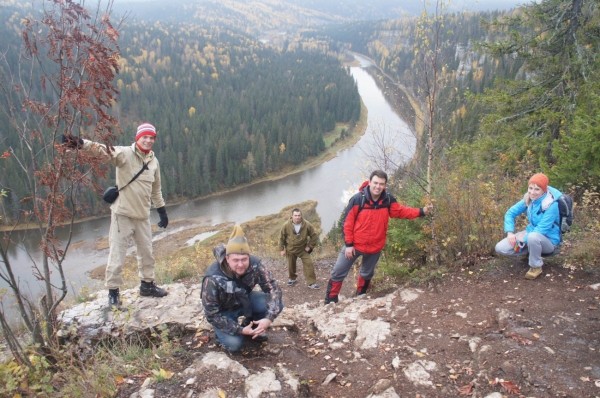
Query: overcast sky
x,y
455,4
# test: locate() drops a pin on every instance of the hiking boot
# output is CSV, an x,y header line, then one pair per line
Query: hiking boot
x,y
291,282
261,338
150,289
114,299
314,286
362,285
533,273
331,300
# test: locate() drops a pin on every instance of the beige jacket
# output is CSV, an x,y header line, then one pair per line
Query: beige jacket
x,y
135,200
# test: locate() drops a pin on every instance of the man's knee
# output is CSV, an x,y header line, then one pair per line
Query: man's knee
x,y
338,275
307,262
258,301
230,342
341,268
233,344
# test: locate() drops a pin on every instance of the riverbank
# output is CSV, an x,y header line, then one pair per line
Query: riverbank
x,y
399,97
329,153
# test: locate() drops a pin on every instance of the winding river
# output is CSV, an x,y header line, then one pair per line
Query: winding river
x,y
331,184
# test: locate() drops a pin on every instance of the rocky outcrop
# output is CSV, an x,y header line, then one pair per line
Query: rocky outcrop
x,y
180,310
347,324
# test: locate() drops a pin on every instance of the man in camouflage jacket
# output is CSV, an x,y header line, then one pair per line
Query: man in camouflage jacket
x,y
227,294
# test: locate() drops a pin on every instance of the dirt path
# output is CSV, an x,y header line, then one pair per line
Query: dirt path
x,y
475,329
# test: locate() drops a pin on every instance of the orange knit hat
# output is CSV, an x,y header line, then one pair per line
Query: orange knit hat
x,y
541,180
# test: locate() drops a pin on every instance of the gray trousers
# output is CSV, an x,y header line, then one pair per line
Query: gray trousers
x,y
342,265
536,245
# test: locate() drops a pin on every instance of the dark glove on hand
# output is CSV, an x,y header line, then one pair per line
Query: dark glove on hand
x,y
71,141
164,220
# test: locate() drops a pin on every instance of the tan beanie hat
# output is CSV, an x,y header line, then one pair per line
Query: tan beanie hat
x,y
237,242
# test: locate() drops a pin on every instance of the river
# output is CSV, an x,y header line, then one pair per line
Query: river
x,y
331,184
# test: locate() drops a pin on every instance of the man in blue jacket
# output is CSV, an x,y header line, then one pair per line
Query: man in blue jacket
x,y
542,234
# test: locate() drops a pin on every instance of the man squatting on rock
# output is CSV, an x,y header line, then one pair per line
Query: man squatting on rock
x,y
227,293
297,239
365,228
130,213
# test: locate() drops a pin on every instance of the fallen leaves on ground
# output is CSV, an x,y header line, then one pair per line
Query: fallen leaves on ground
x,y
509,386
162,374
521,340
466,390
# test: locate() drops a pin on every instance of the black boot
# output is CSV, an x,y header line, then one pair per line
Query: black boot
x,y
362,285
150,289
114,299
333,289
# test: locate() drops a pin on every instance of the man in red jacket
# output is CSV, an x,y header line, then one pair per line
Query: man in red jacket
x,y
365,229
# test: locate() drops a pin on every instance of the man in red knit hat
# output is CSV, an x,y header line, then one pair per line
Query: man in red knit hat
x,y
130,212
365,228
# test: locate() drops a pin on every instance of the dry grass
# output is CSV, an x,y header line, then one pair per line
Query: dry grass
x,y
581,243
190,263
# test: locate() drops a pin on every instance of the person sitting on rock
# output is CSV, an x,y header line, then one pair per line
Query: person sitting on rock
x,y
227,293
542,234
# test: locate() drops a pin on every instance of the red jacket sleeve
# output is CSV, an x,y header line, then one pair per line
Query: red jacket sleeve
x,y
399,211
349,221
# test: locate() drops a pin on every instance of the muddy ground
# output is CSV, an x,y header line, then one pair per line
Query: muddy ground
x,y
547,347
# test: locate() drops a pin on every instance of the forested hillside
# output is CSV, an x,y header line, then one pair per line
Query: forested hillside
x,y
363,10
218,97
227,108
467,69
249,17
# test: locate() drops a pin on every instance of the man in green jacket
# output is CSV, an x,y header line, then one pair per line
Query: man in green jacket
x,y
297,240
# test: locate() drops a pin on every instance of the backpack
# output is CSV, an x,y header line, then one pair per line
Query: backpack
x,y
363,199
565,208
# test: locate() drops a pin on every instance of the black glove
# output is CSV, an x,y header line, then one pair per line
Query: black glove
x,y
164,220
71,141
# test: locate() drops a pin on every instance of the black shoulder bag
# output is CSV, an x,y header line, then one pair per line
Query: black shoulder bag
x,y
112,193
